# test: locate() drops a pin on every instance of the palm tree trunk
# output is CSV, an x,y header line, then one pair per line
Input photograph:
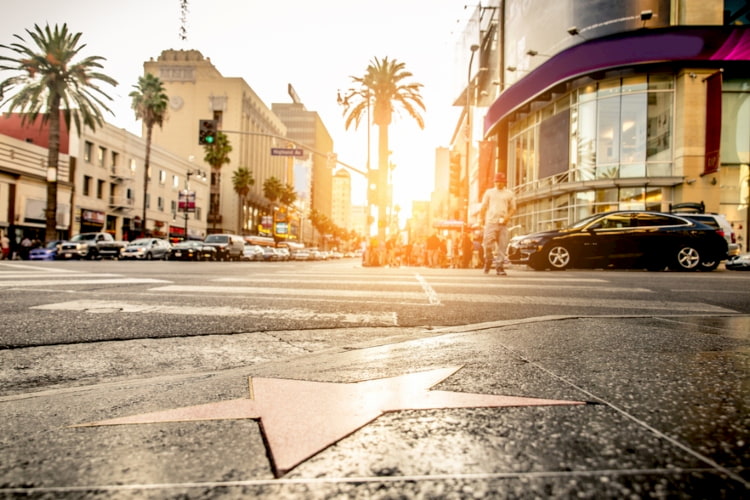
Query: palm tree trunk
x,y
146,163
382,180
53,154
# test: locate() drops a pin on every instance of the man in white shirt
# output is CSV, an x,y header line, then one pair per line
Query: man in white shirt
x,y
498,206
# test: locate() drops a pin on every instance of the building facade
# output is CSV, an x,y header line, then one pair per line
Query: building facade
x,y
100,185
197,90
341,200
605,105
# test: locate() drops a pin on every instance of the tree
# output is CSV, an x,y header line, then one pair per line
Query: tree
x,y
50,83
242,180
150,105
384,87
216,155
287,196
272,189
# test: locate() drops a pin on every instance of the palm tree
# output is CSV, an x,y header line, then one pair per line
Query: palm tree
x,y
287,196
150,105
50,81
383,86
272,189
216,155
242,180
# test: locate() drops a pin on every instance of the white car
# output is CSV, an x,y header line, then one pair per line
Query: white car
x,y
147,249
252,252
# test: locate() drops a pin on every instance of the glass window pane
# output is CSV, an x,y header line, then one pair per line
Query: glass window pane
x,y
735,128
659,126
634,83
586,140
662,81
608,127
633,128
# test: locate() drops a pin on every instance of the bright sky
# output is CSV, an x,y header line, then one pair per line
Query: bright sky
x,y
316,45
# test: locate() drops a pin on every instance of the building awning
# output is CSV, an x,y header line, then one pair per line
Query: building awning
x,y
674,44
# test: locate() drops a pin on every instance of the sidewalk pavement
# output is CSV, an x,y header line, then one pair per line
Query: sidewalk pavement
x,y
556,407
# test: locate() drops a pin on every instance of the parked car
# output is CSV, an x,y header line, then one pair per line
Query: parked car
x,y
252,252
147,249
192,250
228,246
91,246
301,254
697,212
283,253
739,263
269,254
638,239
47,252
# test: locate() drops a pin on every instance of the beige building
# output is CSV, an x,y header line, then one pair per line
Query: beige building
x,y
197,90
341,201
101,177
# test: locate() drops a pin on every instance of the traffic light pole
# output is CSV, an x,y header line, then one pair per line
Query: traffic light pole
x,y
299,145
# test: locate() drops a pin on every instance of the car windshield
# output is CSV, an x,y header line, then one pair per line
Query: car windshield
x,y
216,239
584,222
139,243
84,237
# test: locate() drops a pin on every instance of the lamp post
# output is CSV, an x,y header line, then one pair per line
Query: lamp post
x,y
469,89
186,206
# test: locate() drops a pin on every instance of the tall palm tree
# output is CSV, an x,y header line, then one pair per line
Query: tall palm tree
x,y
242,180
216,155
51,81
384,86
272,189
288,195
150,105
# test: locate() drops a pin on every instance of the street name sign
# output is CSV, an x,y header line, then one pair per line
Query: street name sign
x,y
287,151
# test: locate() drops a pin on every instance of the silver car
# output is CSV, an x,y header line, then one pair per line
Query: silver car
x,y
147,249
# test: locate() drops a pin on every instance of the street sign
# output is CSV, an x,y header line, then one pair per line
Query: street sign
x,y
287,151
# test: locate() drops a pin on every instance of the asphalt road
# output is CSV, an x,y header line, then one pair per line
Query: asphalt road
x,y
330,380
51,303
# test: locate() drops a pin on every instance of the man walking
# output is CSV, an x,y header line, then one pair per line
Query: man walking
x,y
498,206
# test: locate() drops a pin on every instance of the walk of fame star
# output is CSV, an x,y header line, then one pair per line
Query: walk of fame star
x,y
301,418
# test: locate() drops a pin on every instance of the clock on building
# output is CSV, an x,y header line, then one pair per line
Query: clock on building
x,y
176,102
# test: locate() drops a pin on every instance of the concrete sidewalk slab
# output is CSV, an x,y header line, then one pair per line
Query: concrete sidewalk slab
x,y
668,418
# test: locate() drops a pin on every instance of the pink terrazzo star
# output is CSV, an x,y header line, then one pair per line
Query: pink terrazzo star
x,y
301,418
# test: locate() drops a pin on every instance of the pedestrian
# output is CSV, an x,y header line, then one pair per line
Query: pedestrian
x,y
433,250
498,206
5,246
25,247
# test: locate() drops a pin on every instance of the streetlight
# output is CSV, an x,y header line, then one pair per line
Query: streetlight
x,y
474,47
187,206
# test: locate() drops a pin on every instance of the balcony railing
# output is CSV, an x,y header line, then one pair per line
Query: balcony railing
x,y
120,203
120,173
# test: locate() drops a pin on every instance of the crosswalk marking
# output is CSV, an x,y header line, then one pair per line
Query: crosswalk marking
x,y
299,314
415,289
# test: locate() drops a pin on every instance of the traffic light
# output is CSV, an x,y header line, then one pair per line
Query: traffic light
x,y
206,132
455,175
372,186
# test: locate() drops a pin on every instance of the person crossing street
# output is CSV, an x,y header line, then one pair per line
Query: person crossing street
x,y
498,206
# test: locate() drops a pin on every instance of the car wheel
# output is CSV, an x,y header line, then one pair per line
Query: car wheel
x,y
686,258
708,266
558,257
149,256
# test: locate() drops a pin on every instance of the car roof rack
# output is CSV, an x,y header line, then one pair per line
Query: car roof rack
x,y
688,207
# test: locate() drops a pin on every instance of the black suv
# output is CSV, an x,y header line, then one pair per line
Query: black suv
x,y
228,246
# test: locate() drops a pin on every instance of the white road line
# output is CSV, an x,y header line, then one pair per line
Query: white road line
x,y
484,283
306,292
590,302
432,295
299,314
83,281
355,295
